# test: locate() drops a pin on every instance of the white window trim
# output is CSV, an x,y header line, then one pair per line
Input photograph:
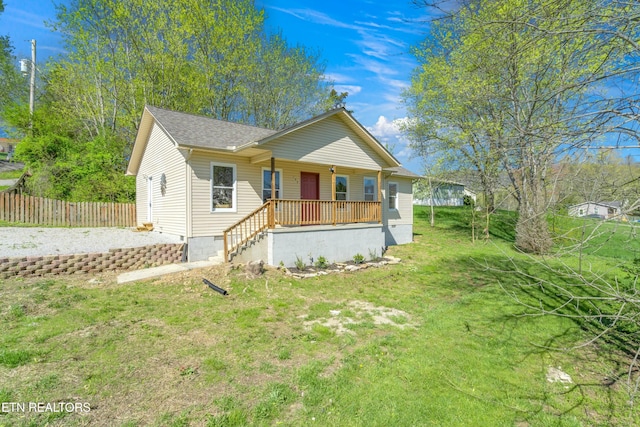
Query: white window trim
x,y
346,177
375,188
281,179
397,195
234,196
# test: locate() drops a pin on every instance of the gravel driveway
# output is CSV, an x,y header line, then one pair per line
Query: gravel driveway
x,y
26,241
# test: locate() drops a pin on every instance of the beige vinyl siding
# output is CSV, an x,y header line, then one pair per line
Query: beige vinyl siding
x,y
291,179
249,188
141,199
169,211
329,142
404,213
248,196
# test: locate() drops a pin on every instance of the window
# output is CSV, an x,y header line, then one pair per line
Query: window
x,y
223,187
393,196
370,189
266,184
342,187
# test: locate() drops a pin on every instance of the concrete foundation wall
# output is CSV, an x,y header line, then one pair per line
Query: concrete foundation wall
x,y
201,248
398,234
336,244
257,250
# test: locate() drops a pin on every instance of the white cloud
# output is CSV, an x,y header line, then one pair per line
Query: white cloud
x,y
372,42
373,66
25,18
389,134
317,17
337,77
350,89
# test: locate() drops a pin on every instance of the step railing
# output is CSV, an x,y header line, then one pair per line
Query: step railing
x,y
245,230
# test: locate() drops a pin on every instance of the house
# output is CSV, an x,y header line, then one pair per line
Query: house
x,y
445,193
7,145
323,187
604,210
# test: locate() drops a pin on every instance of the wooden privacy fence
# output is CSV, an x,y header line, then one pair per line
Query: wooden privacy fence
x,y
38,210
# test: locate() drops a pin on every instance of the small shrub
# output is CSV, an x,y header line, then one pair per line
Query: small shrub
x,y
300,265
322,262
373,254
358,258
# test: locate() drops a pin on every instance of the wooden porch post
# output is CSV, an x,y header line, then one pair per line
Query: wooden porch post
x,y
226,248
334,209
272,210
380,197
273,178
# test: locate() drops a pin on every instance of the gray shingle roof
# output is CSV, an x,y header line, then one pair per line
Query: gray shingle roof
x,y
190,130
401,171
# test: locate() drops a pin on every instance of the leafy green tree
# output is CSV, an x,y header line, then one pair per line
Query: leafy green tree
x,y
200,57
210,58
598,176
12,87
337,100
565,79
267,101
507,85
67,162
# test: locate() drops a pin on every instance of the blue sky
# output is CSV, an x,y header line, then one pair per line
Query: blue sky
x,y
365,44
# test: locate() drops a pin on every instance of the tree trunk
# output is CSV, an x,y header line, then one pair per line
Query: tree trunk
x,y
532,230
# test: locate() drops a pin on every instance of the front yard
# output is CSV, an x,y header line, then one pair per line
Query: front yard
x,y
434,340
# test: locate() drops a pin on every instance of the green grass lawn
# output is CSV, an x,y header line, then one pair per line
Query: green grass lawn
x,y
610,239
13,174
435,340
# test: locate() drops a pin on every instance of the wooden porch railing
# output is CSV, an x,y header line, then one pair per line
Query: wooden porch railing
x,y
298,212
325,212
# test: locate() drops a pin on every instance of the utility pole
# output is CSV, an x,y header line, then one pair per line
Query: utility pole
x,y
27,66
32,86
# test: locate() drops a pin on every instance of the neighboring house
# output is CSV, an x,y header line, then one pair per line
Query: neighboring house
x,y
604,210
245,191
445,193
7,145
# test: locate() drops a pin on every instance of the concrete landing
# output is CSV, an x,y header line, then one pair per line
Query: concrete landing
x,y
7,182
148,273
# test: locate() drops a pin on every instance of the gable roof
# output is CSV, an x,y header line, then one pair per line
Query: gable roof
x,y
349,120
200,132
193,131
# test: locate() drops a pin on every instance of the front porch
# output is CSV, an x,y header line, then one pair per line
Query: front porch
x,y
277,213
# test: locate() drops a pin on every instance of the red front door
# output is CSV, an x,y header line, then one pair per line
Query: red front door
x,y
310,190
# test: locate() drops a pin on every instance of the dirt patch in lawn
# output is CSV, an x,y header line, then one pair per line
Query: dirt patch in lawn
x,y
360,312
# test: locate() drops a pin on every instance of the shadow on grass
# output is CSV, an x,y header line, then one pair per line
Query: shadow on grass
x,y
544,289
459,218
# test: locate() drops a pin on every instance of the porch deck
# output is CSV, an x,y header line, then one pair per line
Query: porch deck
x,y
291,213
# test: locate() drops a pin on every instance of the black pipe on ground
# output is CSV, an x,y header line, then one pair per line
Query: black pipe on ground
x,y
214,287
